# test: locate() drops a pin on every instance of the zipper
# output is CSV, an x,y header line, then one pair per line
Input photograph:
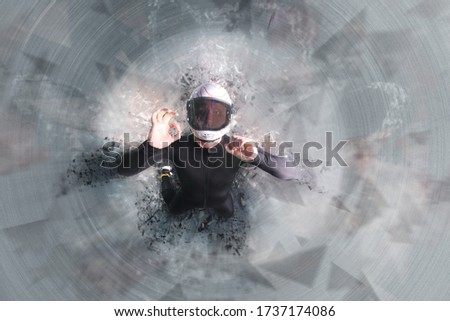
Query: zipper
x,y
205,169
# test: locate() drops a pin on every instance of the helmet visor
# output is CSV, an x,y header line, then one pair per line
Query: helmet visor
x,y
208,114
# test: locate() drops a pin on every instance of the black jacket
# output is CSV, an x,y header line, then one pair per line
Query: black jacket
x,y
205,175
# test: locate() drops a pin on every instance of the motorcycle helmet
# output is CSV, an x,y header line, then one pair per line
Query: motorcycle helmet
x,y
209,111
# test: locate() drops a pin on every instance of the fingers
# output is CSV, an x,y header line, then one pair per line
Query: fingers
x,y
242,154
163,115
168,116
249,150
235,142
156,116
234,145
241,148
228,148
241,142
174,129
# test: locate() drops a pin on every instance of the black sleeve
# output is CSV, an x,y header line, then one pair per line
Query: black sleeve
x,y
137,159
277,166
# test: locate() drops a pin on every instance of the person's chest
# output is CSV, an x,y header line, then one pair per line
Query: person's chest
x,y
213,164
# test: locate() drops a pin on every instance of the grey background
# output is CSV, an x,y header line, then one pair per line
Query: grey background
x,y
75,74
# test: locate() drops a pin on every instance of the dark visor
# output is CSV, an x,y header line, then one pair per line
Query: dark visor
x,y
208,114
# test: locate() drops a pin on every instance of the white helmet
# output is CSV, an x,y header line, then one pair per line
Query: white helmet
x,y
209,111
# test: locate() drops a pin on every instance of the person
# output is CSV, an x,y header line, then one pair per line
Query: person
x,y
207,159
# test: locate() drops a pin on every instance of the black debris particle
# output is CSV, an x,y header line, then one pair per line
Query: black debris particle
x,y
163,232
89,169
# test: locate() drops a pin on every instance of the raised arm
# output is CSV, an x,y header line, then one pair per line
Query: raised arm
x,y
136,160
165,130
278,166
